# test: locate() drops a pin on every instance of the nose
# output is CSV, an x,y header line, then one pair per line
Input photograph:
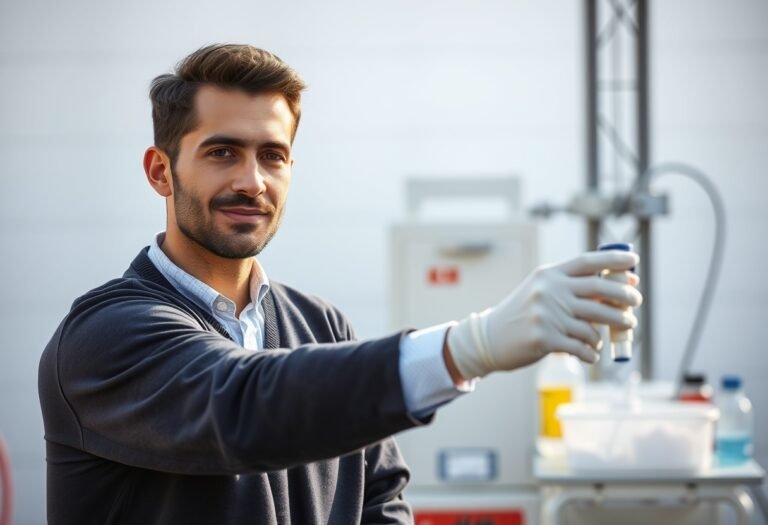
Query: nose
x,y
251,180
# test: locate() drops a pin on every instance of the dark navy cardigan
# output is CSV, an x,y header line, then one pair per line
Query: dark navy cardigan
x,y
154,415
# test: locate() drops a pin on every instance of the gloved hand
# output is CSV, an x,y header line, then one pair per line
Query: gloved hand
x,y
551,311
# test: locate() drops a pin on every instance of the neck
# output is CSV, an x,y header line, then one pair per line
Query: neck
x,y
229,277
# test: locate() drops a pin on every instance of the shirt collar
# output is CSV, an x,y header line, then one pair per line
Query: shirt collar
x,y
196,290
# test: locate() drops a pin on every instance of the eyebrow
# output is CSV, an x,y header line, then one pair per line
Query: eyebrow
x,y
228,140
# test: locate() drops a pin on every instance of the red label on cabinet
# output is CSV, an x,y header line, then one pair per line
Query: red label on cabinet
x,y
469,517
443,275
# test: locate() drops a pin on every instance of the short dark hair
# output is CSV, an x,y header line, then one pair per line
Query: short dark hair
x,y
228,66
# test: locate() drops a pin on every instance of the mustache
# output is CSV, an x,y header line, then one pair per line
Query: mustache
x,y
240,200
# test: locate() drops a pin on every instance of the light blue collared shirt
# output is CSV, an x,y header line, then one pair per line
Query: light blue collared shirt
x,y
247,330
423,375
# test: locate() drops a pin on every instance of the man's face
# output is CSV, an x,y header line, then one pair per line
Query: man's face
x,y
231,177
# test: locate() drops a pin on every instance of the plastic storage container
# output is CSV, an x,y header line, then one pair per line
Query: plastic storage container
x,y
673,438
736,426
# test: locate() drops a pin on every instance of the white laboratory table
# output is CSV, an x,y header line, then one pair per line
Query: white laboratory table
x,y
560,486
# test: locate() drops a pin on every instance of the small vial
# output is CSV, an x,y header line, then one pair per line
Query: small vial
x,y
695,388
621,340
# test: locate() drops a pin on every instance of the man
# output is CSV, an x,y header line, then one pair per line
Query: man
x,y
195,390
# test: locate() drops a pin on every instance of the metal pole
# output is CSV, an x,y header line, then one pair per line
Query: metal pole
x,y
643,151
593,168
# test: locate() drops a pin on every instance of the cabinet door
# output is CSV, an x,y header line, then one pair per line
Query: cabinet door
x,y
444,272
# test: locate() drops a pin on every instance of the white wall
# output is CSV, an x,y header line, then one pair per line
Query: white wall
x,y
396,88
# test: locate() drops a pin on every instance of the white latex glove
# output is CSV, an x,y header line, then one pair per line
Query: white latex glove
x,y
551,311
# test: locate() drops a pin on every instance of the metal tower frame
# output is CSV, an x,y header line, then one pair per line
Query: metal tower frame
x,y
618,130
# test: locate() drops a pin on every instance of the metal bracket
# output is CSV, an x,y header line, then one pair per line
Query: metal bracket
x,y
593,205
646,205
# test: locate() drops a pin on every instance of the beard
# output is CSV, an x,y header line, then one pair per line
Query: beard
x,y
196,221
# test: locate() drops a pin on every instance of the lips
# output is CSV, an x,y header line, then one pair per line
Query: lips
x,y
245,214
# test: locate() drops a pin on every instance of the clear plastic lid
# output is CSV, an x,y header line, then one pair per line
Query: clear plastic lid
x,y
655,410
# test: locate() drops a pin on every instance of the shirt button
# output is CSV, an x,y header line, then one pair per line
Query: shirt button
x,y
221,306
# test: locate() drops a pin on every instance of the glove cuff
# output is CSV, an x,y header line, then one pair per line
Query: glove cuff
x,y
468,344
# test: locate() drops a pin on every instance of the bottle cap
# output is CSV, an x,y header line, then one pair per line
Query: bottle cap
x,y
694,379
731,382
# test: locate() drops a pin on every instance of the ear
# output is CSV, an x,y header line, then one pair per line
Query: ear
x,y
157,166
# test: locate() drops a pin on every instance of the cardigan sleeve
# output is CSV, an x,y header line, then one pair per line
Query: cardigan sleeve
x,y
146,386
386,475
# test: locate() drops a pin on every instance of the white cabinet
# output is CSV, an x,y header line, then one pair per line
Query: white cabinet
x,y
442,271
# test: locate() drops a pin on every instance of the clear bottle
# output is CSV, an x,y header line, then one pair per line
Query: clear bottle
x,y
735,429
560,379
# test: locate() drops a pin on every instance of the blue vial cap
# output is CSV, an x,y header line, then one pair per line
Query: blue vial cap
x,y
622,246
731,382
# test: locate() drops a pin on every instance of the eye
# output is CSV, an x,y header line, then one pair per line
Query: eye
x,y
221,153
273,156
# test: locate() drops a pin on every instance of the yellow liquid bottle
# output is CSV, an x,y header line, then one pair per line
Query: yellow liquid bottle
x,y
559,380
551,397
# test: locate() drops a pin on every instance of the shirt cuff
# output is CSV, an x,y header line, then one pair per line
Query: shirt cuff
x,y
426,383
